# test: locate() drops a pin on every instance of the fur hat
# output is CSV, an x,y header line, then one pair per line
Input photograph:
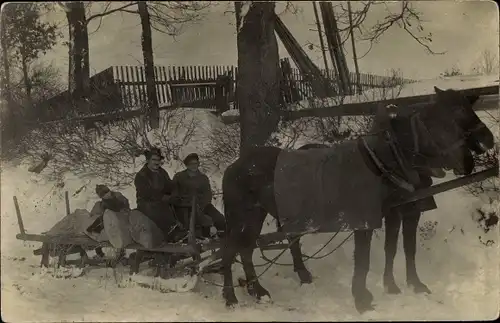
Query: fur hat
x,y
101,190
153,152
190,157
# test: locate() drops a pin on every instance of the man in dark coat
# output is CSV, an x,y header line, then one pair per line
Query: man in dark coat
x,y
189,183
110,200
153,190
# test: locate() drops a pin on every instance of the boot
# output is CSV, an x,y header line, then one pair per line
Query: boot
x,y
205,232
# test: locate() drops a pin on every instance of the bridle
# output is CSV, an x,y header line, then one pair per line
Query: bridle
x,y
420,131
417,123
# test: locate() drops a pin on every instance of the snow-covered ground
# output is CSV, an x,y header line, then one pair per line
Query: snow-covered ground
x,y
462,272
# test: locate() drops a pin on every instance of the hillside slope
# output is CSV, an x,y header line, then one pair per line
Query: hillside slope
x,y
461,271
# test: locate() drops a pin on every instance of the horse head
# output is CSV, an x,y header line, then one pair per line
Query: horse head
x,y
449,130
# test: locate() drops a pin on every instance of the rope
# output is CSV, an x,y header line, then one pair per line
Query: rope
x,y
305,258
270,264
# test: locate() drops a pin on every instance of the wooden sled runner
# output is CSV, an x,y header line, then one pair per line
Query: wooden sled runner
x,y
144,238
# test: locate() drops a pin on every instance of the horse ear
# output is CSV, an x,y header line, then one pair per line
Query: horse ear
x,y
437,90
472,99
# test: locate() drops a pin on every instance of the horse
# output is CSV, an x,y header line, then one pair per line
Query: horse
x,y
440,136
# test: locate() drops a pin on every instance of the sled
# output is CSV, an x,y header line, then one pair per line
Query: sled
x,y
194,257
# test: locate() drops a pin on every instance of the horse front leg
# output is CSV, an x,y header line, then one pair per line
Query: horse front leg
x,y
410,226
392,227
362,296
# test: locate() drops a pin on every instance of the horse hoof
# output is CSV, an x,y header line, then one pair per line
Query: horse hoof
x,y
231,300
266,299
304,276
392,288
363,307
231,304
257,291
363,301
420,288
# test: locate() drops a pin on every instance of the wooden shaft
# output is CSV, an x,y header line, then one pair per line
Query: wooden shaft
x,y
192,223
19,218
449,185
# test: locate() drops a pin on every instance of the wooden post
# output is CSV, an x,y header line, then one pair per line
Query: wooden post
x,y
19,218
66,198
192,231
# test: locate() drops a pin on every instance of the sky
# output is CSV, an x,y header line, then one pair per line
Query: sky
x,y
462,29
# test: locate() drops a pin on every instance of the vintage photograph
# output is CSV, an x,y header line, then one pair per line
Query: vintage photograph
x,y
173,161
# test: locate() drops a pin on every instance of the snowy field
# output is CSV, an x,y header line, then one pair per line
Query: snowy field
x,y
461,271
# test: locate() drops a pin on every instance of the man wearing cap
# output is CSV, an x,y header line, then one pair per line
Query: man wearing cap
x,y
110,200
153,190
191,182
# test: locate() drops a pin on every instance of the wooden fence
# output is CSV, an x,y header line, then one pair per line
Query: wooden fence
x,y
123,88
198,86
367,81
175,85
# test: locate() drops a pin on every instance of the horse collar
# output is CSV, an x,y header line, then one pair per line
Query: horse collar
x,y
394,178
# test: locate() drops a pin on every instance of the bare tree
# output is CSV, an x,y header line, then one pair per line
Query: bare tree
x,y
258,93
487,64
406,17
25,38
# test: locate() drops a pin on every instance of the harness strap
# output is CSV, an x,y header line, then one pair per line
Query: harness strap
x,y
411,175
395,179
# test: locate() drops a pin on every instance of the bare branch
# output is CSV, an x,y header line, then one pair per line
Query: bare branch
x,y
107,12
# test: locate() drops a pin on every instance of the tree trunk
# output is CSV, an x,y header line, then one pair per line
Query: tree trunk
x,y
5,61
320,34
79,69
26,80
354,55
147,52
335,46
258,89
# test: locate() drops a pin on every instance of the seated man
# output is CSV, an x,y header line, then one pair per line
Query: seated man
x,y
153,189
191,182
114,201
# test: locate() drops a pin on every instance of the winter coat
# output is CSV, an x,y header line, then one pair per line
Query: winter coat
x,y
185,186
117,203
151,186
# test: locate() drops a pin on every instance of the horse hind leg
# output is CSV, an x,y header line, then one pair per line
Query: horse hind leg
x,y
296,251
410,224
362,296
230,250
392,227
251,233
298,262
